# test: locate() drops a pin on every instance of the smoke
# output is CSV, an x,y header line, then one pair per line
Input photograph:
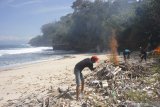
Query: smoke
x,y
113,47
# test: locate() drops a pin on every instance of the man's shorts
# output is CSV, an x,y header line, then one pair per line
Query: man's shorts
x,y
78,76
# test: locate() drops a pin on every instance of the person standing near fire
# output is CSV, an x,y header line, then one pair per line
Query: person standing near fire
x,y
126,54
88,62
143,54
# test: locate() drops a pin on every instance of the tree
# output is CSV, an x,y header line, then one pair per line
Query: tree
x,y
90,25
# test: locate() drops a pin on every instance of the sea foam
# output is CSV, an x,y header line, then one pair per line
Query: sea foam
x,y
23,50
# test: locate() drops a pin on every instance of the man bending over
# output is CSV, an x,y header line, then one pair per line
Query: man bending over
x,y
88,62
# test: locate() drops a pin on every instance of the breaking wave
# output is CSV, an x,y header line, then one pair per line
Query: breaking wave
x,y
23,50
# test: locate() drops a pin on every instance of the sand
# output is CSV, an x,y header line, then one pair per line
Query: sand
x,y
26,80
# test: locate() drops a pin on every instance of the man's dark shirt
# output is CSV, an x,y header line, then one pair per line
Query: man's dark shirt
x,y
84,63
126,52
143,52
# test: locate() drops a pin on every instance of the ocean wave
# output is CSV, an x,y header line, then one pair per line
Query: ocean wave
x,y
23,50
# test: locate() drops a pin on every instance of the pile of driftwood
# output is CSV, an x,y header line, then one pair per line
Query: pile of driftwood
x,y
125,85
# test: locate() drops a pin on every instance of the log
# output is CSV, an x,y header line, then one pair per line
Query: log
x,y
46,102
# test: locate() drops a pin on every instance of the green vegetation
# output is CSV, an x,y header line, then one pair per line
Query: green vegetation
x,y
90,26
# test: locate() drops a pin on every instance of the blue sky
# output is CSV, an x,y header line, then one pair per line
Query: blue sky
x,y
20,20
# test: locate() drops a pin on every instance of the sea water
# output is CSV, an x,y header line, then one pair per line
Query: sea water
x,y
11,55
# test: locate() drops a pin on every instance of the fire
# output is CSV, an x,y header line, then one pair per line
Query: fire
x,y
157,51
114,46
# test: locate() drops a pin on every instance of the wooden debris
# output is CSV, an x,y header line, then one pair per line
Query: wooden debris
x,y
110,86
46,102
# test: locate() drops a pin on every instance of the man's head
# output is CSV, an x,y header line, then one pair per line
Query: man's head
x,y
94,59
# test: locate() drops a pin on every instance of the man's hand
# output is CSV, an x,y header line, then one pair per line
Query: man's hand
x,y
94,69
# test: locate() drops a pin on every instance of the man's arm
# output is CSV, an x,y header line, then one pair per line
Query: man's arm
x,y
91,67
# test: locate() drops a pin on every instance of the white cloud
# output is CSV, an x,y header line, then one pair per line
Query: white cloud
x,y
9,1
4,3
20,4
51,9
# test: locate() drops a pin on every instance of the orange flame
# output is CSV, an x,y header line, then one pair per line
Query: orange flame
x,y
114,46
157,50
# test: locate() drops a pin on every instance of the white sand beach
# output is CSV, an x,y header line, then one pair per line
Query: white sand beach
x,y
34,79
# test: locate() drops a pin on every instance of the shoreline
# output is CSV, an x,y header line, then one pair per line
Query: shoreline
x,y
18,66
36,78
25,64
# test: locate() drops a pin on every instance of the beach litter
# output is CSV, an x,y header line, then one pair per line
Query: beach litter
x,y
123,85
